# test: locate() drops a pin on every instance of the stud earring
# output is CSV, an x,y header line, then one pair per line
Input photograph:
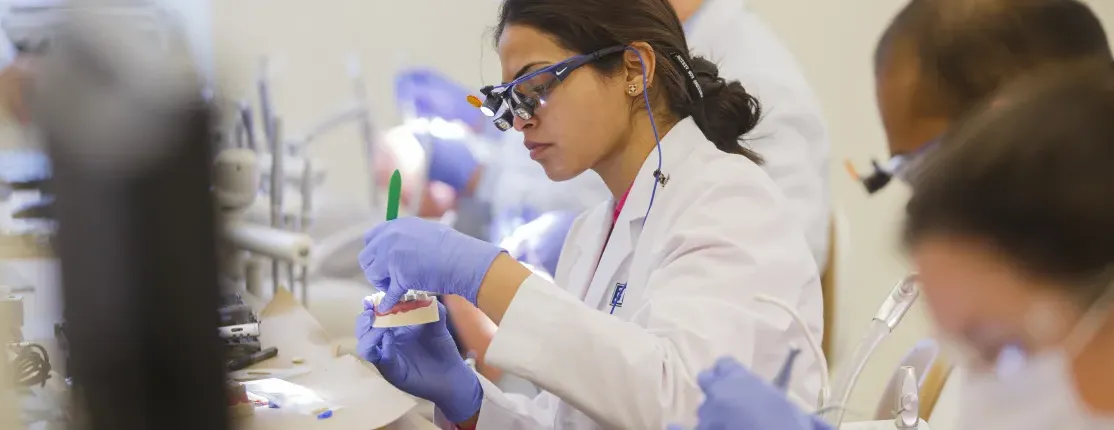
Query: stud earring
x,y
632,89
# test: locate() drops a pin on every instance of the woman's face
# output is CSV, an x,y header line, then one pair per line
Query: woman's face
x,y
982,301
584,118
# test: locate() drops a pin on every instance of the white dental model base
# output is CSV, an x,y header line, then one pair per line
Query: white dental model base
x,y
423,315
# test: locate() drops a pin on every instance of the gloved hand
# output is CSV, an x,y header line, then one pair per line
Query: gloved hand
x,y
735,398
539,241
415,254
451,162
423,361
433,95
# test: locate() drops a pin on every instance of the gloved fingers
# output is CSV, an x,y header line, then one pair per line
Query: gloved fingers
x,y
675,427
406,334
724,367
391,295
391,363
376,232
442,328
372,354
372,343
729,364
366,256
818,423
709,376
364,321
443,312
386,358
374,261
377,278
388,345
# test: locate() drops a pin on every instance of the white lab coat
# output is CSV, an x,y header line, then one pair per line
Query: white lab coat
x,y
716,236
791,135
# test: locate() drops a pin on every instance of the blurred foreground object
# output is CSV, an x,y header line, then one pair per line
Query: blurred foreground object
x,y
127,132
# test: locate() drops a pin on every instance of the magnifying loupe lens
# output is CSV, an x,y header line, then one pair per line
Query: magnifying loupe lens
x,y
491,105
504,122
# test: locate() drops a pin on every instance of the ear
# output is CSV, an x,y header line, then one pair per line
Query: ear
x,y
639,62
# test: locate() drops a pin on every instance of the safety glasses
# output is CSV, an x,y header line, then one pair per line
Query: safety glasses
x,y
528,92
903,167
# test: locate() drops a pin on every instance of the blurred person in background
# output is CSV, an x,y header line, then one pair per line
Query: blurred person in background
x,y
936,63
791,138
1009,228
939,59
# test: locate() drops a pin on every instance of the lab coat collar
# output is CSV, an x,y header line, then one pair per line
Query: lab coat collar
x,y
705,26
675,147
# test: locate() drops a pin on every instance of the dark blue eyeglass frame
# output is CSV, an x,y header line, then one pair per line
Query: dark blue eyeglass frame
x,y
522,105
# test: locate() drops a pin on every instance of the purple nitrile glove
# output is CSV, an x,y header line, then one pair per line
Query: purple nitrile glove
x,y
736,398
451,162
423,361
416,254
434,95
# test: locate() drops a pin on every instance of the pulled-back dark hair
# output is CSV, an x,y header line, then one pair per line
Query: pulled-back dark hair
x,y
968,49
1032,175
725,113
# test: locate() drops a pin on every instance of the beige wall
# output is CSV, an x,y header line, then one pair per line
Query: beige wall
x,y
311,46
833,40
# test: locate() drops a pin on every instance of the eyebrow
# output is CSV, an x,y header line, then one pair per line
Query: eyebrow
x,y
527,68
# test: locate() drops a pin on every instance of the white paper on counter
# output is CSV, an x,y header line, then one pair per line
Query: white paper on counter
x,y
366,401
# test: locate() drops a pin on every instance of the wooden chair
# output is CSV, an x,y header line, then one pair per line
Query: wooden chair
x,y
828,289
932,387
945,413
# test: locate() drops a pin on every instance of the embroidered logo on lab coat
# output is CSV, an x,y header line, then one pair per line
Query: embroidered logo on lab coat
x,y
617,297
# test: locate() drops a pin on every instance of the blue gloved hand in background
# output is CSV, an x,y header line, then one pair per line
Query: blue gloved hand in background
x,y
433,95
539,242
506,222
735,398
423,361
415,254
451,162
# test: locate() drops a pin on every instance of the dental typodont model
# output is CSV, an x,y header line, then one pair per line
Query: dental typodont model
x,y
415,308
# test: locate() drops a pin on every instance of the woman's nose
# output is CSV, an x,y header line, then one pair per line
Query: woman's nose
x,y
522,124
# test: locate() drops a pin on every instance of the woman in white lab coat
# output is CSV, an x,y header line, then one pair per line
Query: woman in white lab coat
x,y
653,285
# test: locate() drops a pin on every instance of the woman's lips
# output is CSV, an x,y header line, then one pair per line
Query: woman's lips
x,y
537,149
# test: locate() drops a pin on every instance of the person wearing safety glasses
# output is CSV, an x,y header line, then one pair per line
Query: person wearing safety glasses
x,y
938,60
695,256
998,241
791,137
1009,228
